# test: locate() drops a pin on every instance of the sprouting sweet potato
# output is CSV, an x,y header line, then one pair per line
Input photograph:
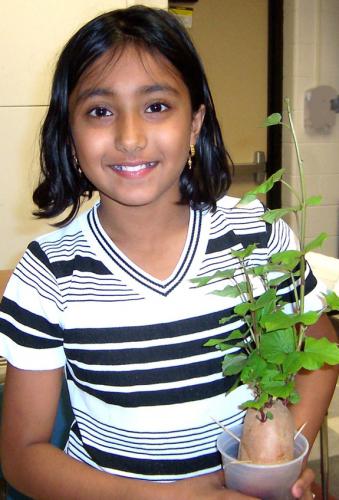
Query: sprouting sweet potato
x,y
271,441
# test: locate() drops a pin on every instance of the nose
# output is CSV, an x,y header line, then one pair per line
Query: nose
x,y
130,133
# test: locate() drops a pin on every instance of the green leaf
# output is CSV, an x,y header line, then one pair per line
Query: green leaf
x,y
257,404
259,270
272,215
242,309
309,318
214,342
316,243
279,389
233,363
311,361
235,335
273,119
247,198
318,352
243,286
265,299
262,188
226,319
204,280
288,258
279,280
225,274
292,363
271,374
294,397
313,200
228,291
227,346
332,301
254,370
268,268
275,345
323,350
246,252
269,415
278,320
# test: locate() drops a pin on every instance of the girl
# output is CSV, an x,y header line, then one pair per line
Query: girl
x,y
109,299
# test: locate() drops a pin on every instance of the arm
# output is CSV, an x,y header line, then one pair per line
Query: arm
x,y
40,470
315,388
316,391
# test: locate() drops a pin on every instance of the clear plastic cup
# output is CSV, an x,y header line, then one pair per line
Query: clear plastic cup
x,y
267,482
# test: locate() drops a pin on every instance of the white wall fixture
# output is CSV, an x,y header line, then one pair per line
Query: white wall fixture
x,y
321,106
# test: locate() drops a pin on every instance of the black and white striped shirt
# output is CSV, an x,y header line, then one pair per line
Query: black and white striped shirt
x,y
144,389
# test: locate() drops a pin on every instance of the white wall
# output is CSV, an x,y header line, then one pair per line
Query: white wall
x,y
31,36
311,48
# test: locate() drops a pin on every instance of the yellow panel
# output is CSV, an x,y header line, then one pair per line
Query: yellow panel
x,y
19,131
231,36
159,4
31,35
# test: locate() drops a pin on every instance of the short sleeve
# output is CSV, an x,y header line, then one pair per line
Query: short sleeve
x,y
281,238
31,336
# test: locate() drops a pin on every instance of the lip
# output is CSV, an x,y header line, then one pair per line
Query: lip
x,y
137,168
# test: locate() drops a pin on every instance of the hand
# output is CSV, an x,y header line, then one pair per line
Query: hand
x,y
206,487
302,487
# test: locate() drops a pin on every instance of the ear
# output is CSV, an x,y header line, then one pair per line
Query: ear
x,y
197,121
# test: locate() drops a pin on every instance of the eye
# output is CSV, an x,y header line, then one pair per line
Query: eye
x,y
157,107
100,112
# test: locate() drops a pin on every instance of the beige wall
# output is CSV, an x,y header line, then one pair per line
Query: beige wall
x,y
310,59
31,35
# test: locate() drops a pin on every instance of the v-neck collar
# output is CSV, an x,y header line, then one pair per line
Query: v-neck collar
x,y
118,258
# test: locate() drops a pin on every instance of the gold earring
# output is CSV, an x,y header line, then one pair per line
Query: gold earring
x,y
191,155
76,164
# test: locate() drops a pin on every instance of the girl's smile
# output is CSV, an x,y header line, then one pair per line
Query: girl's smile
x,y
134,169
132,127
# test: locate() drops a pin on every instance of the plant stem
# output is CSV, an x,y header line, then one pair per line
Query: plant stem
x,y
296,296
251,300
294,191
244,299
303,210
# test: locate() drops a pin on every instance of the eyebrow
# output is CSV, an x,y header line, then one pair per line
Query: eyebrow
x,y
105,92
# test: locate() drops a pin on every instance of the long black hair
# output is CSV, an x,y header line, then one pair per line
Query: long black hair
x,y
61,184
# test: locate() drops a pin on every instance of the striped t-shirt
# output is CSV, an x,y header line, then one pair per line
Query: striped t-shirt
x,y
145,392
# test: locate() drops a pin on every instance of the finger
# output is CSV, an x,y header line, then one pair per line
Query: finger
x,y
303,484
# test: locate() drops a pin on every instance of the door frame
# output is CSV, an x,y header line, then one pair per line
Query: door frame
x,y
275,95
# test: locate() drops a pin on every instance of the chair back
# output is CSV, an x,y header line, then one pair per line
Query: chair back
x,y
5,274
4,277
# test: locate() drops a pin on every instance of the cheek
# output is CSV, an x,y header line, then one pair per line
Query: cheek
x,y
176,138
88,144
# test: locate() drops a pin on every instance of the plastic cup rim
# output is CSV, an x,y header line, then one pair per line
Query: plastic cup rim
x,y
266,466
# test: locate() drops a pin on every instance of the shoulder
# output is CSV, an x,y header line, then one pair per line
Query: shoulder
x,y
239,217
231,204
64,242
54,253
61,233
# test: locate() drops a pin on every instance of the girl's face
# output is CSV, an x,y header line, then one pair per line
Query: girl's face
x,y
132,126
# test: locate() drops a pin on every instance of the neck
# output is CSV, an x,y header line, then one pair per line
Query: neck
x,y
142,223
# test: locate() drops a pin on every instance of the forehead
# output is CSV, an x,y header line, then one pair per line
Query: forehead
x,y
131,66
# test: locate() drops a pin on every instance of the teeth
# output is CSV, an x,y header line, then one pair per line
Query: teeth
x,y
134,168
